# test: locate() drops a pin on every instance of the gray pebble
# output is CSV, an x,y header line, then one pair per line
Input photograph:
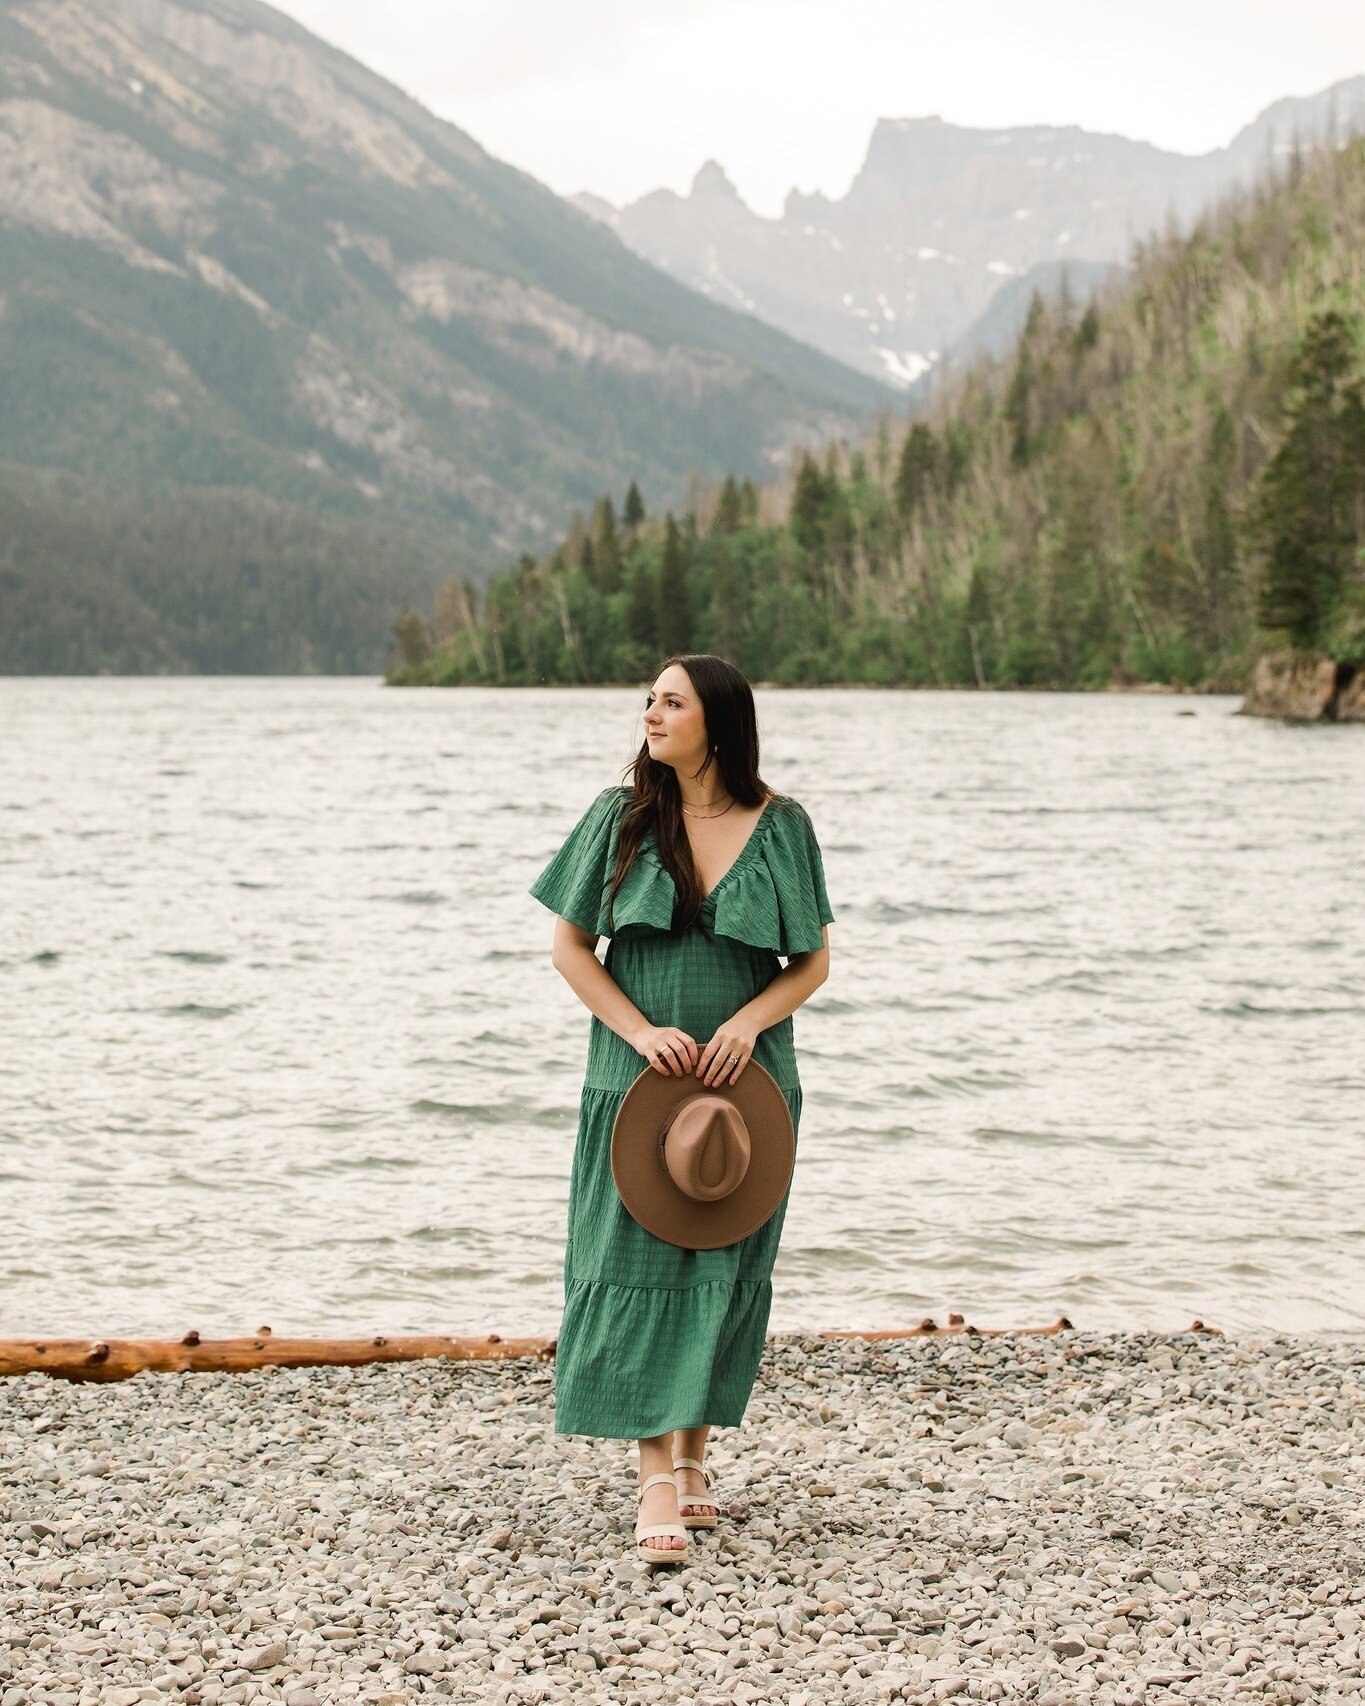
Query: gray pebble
x,y
977,1518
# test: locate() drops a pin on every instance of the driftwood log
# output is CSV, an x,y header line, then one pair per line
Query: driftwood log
x,y
120,1359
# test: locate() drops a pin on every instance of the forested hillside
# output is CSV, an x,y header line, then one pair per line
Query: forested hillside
x,y
1089,509
257,303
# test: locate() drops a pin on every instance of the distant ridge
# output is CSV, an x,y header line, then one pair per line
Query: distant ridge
x,y
943,219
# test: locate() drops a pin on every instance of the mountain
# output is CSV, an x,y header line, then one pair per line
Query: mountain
x,y
250,293
1147,487
999,324
940,220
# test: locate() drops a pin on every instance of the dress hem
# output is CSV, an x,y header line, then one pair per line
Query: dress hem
x,y
651,1432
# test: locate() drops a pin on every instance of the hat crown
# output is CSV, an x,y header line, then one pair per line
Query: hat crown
x,y
705,1147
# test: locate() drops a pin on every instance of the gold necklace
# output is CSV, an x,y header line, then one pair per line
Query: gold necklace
x,y
704,815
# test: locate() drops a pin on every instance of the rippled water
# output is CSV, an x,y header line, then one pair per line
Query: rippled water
x,y
280,1041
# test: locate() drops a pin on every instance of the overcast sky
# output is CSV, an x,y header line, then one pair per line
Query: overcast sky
x,y
624,96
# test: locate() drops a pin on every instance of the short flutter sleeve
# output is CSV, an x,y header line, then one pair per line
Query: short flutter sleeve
x,y
778,899
576,884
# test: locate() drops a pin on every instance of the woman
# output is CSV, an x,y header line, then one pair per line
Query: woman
x,y
702,877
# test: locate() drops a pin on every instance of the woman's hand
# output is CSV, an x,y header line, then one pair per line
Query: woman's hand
x,y
732,1038
667,1049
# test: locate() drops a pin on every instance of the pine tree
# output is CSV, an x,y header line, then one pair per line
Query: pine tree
x,y
448,605
1087,334
1066,299
675,612
1218,544
642,613
1306,519
1017,410
728,507
1020,400
882,454
955,458
634,512
1078,612
836,522
977,618
413,636
724,599
606,547
808,500
918,470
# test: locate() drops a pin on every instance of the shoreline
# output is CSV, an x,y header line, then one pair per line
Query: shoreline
x,y
1015,1516
1202,689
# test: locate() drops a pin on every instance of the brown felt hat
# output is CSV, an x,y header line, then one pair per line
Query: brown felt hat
x,y
702,1166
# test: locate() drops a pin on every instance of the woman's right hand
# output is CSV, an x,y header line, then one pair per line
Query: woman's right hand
x,y
667,1049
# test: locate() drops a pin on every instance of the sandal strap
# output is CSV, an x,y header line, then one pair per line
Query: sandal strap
x,y
660,1529
692,1463
654,1481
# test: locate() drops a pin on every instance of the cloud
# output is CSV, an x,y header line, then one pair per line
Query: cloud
x,y
625,96
481,48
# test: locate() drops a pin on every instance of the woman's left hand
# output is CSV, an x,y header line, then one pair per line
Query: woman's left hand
x,y
732,1038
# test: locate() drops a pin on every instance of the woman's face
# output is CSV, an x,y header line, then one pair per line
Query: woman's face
x,y
675,727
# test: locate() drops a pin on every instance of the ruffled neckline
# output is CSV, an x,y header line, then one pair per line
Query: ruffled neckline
x,y
766,899
649,894
749,847
772,896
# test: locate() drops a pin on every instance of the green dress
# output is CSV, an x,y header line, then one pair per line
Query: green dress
x,y
654,1337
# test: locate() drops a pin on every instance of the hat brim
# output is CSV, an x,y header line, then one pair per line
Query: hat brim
x,y
648,1191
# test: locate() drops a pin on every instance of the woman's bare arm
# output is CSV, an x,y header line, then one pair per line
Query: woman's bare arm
x,y
799,978
574,958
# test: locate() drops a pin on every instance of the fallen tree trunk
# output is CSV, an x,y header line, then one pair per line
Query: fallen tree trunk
x,y
120,1359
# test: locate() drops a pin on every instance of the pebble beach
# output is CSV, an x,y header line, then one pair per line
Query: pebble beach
x,y
1060,1519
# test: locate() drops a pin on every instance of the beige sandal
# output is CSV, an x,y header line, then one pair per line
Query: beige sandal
x,y
658,1530
695,1520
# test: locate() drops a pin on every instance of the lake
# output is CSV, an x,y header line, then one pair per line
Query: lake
x,y
280,1041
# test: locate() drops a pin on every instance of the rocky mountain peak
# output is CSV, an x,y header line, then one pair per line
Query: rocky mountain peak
x,y
943,219
712,183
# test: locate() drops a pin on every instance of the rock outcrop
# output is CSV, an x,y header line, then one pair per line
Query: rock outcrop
x,y
1350,705
1305,687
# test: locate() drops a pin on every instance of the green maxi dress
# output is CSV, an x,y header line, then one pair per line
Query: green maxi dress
x,y
654,1337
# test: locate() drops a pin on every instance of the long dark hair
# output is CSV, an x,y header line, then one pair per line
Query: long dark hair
x,y
727,703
